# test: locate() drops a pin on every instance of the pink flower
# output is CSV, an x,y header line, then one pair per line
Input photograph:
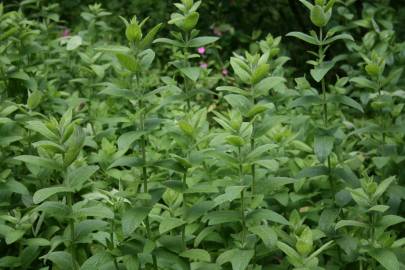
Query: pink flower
x,y
203,65
66,32
201,50
225,72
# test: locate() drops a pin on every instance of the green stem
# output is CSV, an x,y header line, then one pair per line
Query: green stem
x,y
183,231
112,242
72,245
381,111
252,144
186,79
69,201
144,169
321,56
242,198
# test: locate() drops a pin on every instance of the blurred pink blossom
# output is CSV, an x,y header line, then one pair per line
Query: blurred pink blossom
x,y
225,72
203,65
66,32
201,50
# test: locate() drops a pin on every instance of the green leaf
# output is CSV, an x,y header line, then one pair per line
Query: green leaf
x,y
258,109
363,82
266,214
148,39
201,41
327,219
313,172
223,216
289,251
319,71
83,229
320,250
132,218
239,102
62,259
198,210
10,261
74,147
266,234
269,83
258,152
113,49
379,208
307,4
193,73
196,255
386,258
55,209
38,242
43,194
269,164
97,261
231,193
74,43
127,161
169,223
304,244
383,186
235,140
128,61
260,73
78,176
343,36
307,38
147,57
169,41
348,101
350,223
95,211
171,164
127,139
306,101
42,129
14,236
237,257
241,70
390,220
233,90
114,91
323,146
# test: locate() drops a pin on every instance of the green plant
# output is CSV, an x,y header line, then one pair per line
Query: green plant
x,y
153,155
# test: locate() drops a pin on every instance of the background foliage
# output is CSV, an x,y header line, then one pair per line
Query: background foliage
x,y
243,135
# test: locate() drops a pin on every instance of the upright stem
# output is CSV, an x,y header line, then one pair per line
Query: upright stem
x,y
72,229
321,56
242,198
253,167
383,120
325,104
252,145
69,200
187,64
143,153
112,242
183,231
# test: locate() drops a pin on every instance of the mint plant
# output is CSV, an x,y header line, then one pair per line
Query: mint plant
x,y
185,40
214,147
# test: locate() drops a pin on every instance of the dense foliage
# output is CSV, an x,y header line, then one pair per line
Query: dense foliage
x,y
135,143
